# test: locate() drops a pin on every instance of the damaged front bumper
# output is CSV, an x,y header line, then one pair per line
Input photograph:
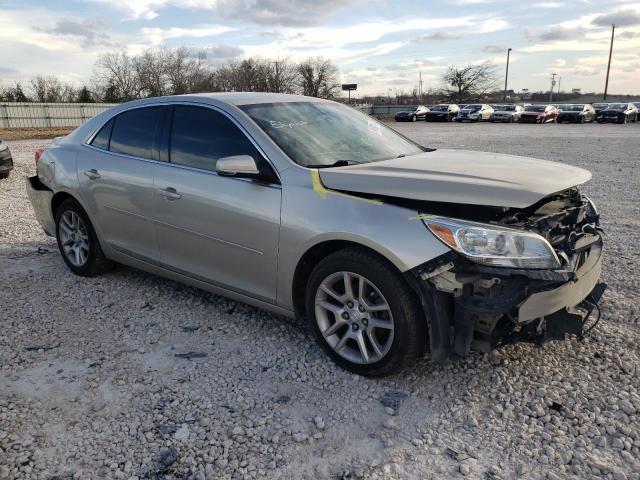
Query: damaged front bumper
x,y
470,306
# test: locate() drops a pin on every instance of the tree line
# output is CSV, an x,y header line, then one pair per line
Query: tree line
x,y
120,77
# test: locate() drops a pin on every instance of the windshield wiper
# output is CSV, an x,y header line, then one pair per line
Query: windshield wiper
x,y
337,163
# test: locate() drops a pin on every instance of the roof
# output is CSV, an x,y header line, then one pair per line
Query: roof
x,y
247,98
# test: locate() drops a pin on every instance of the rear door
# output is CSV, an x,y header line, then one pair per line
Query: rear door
x,y
218,229
116,180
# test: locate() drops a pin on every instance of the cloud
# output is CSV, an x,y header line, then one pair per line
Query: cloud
x,y
280,12
90,33
262,12
438,36
494,48
621,18
8,71
629,35
556,33
158,35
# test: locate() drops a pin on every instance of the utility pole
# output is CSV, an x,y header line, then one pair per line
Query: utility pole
x,y
506,77
420,86
553,84
559,80
606,83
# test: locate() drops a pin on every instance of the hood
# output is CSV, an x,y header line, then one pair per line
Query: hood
x,y
458,176
569,112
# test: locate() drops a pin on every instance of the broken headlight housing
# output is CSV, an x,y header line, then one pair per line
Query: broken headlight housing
x,y
494,245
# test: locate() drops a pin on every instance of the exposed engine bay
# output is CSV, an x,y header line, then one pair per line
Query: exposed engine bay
x,y
483,307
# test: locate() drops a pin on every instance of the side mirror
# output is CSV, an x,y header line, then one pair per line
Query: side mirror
x,y
237,166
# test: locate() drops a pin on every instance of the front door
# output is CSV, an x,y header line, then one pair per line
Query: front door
x,y
221,230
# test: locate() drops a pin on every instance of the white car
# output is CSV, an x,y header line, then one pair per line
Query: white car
x,y
474,112
506,113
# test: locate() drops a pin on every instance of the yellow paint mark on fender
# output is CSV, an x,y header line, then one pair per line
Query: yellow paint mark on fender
x,y
317,184
423,216
323,191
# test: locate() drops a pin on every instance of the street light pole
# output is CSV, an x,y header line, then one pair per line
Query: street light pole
x,y
606,83
553,84
506,77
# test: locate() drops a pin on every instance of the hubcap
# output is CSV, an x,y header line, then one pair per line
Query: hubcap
x,y
354,317
74,238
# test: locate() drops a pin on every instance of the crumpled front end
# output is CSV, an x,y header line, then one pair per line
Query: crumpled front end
x,y
484,307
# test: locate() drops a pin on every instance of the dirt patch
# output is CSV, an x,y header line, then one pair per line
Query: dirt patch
x,y
33,133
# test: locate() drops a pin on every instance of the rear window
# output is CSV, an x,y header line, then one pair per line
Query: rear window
x,y
101,140
133,131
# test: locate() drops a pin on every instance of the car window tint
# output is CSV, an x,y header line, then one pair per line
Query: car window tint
x,y
101,140
200,136
133,132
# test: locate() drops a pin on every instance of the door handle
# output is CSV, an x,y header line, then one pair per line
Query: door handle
x,y
169,193
92,174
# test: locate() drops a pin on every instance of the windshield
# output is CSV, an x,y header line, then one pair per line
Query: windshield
x,y
473,107
440,108
572,108
505,108
617,106
321,134
534,108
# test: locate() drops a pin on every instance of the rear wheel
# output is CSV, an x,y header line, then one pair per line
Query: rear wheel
x,y
78,242
363,313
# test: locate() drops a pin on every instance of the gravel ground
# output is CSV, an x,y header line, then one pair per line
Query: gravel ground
x,y
91,387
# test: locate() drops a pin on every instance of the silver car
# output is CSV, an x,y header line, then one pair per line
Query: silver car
x,y
311,209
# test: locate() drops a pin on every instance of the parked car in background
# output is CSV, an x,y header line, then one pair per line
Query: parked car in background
x,y
412,114
474,113
506,113
599,108
576,113
442,113
242,195
619,113
6,160
538,114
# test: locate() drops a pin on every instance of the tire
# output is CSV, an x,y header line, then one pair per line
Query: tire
x,y
397,347
4,175
414,118
90,263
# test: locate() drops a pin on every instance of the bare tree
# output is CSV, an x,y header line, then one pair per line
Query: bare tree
x,y
116,77
283,77
46,89
318,78
151,68
470,81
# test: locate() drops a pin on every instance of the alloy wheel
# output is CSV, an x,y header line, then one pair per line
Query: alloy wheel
x,y
354,317
74,238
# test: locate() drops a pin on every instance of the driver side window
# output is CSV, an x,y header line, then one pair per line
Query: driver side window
x,y
200,136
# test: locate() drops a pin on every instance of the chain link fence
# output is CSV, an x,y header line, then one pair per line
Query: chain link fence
x,y
44,115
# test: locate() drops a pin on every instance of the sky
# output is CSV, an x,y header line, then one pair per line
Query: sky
x,y
382,45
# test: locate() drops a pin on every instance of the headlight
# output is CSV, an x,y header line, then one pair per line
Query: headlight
x,y
493,245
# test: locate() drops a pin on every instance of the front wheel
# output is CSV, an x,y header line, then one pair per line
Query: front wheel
x,y
78,242
363,313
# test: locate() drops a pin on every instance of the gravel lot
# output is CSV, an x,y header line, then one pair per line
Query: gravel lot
x,y
90,385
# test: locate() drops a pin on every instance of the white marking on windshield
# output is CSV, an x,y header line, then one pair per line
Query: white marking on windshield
x,y
278,124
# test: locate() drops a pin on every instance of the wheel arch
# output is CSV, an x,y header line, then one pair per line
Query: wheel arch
x,y
313,255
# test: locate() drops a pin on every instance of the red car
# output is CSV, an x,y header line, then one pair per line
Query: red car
x,y
539,114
